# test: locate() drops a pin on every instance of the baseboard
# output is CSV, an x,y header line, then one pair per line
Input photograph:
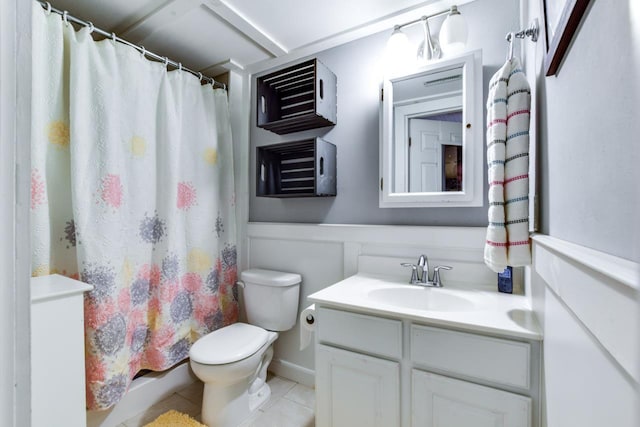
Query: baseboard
x,y
293,372
143,393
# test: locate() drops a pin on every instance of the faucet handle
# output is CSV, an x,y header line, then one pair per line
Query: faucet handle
x,y
436,274
414,272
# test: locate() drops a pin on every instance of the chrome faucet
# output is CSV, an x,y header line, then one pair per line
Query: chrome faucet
x,y
423,263
421,278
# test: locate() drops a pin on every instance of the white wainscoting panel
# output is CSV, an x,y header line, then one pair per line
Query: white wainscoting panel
x,y
587,302
603,297
327,253
583,385
320,265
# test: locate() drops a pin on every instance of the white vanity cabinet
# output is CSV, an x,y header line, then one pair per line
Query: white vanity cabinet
x,y
379,371
354,388
439,401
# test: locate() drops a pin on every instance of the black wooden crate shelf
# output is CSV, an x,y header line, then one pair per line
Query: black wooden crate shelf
x,y
297,98
296,169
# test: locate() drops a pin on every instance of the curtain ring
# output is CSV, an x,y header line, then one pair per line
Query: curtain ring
x,y
143,51
48,8
64,17
179,66
113,37
200,77
91,27
166,62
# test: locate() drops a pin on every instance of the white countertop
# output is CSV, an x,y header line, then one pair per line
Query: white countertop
x,y
488,312
55,286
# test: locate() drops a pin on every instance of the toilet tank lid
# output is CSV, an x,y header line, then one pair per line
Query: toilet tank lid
x,y
229,344
270,277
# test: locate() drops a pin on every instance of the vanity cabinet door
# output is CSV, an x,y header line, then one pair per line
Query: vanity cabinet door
x,y
356,390
439,401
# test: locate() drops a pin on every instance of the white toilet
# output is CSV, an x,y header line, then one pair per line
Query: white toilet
x,y
232,361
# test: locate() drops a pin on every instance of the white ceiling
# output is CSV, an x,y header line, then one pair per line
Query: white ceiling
x,y
213,36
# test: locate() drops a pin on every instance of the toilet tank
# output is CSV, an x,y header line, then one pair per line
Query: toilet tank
x,y
271,298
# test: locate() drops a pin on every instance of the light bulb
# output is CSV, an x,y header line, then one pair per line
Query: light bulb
x,y
398,52
453,33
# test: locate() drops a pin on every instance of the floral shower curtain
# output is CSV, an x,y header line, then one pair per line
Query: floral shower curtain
x,y
132,192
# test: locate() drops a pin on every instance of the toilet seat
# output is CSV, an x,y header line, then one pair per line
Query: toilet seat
x,y
229,344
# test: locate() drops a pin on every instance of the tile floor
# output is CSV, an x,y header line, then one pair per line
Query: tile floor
x,y
290,405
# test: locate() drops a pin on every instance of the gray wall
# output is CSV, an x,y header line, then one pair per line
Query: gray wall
x,y
587,126
358,67
589,134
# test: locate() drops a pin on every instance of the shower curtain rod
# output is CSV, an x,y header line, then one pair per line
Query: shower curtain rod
x,y
66,17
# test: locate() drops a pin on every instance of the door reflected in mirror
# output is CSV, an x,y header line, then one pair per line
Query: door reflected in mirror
x,y
435,153
431,141
427,113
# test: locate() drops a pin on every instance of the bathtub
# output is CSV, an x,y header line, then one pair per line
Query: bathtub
x,y
144,392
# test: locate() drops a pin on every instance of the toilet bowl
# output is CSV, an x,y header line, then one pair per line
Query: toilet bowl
x,y
232,361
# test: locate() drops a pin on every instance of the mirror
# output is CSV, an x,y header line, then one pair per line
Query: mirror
x,y
431,145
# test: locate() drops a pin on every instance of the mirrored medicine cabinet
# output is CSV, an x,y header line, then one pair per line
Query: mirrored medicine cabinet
x,y
431,140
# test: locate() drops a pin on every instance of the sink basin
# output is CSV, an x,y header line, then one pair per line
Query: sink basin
x,y
418,298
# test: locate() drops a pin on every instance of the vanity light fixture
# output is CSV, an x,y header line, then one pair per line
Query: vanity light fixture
x,y
453,37
453,33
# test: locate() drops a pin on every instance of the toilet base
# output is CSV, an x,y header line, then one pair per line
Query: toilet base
x,y
259,390
225,406
256,400
228,405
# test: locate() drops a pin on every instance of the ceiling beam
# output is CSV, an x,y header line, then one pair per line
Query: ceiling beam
x,y
241,23
158,19
174,9
223,67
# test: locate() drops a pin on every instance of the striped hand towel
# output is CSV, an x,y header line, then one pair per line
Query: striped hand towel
x,y
508,112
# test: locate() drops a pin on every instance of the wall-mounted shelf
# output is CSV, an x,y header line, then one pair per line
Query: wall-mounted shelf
x,y
296,169
297,98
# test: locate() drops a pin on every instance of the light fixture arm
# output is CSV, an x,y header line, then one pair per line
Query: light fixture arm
x,y
429,49
421,19
455,36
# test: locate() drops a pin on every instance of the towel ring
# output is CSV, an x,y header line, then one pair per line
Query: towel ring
x,y
48,8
